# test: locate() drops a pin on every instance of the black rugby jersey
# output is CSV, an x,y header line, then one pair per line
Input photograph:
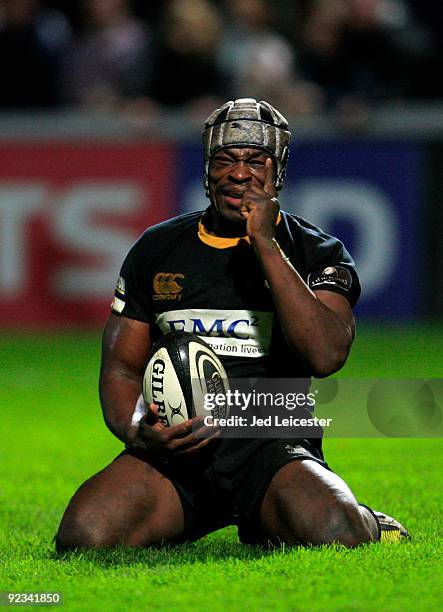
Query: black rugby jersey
x,y
177,277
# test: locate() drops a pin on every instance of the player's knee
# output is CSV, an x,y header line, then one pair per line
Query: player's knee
x,y
330,522
342,524
83,530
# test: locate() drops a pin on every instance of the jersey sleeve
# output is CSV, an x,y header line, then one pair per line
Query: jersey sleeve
x,y
336,273
131,297
327,265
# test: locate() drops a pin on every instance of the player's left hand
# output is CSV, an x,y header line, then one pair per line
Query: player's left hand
x,y
260,207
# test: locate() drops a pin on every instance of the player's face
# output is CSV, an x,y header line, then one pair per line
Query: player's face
x,y
232,172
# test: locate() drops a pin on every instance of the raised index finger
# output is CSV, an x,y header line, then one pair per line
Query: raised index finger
x,y
269,185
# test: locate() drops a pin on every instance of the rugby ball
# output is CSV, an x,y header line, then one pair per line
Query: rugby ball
x,y
181,371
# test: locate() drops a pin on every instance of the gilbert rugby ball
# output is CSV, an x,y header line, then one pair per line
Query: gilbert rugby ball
x,y
181,370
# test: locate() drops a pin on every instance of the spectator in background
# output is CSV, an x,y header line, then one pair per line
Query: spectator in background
x,y
33,41
321,51
427,21
109,59
185,71
385,47
260,62
360,52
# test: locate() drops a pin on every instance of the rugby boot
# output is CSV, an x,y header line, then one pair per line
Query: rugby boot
x,y
390,529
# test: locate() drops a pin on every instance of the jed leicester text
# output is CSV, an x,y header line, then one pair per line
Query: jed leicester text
x,y
269,421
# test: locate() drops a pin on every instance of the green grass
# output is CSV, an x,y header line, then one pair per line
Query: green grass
x,y
53,438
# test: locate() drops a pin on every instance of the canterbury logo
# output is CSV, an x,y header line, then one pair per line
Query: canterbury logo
x,y
166,285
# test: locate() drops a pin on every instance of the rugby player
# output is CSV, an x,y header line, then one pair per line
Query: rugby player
x,y
242,259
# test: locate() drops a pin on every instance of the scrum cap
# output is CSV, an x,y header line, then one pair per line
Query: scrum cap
x,y
246,122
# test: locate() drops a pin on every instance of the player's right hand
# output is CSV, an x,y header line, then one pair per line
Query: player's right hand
x,y
259,206
164,443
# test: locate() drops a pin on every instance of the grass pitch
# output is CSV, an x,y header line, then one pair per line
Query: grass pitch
x,y
53,438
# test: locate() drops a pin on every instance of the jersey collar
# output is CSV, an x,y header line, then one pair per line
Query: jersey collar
x,y
221,242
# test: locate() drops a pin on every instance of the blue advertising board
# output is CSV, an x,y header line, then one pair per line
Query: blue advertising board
x,y
367,194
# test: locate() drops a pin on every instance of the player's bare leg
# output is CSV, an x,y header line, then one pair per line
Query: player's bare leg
x,y
307,504
128,503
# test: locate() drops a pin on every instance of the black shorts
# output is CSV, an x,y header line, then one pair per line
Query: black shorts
x,y
226,485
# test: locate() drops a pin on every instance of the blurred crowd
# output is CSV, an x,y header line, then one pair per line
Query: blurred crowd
x,y
138,58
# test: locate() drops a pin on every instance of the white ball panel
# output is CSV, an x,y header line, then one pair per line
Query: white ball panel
x,y
161,386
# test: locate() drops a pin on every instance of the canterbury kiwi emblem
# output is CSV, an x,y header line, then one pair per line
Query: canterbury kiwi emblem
x,y
166,285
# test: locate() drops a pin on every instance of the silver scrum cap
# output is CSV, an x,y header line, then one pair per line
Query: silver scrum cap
x,y
246,122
